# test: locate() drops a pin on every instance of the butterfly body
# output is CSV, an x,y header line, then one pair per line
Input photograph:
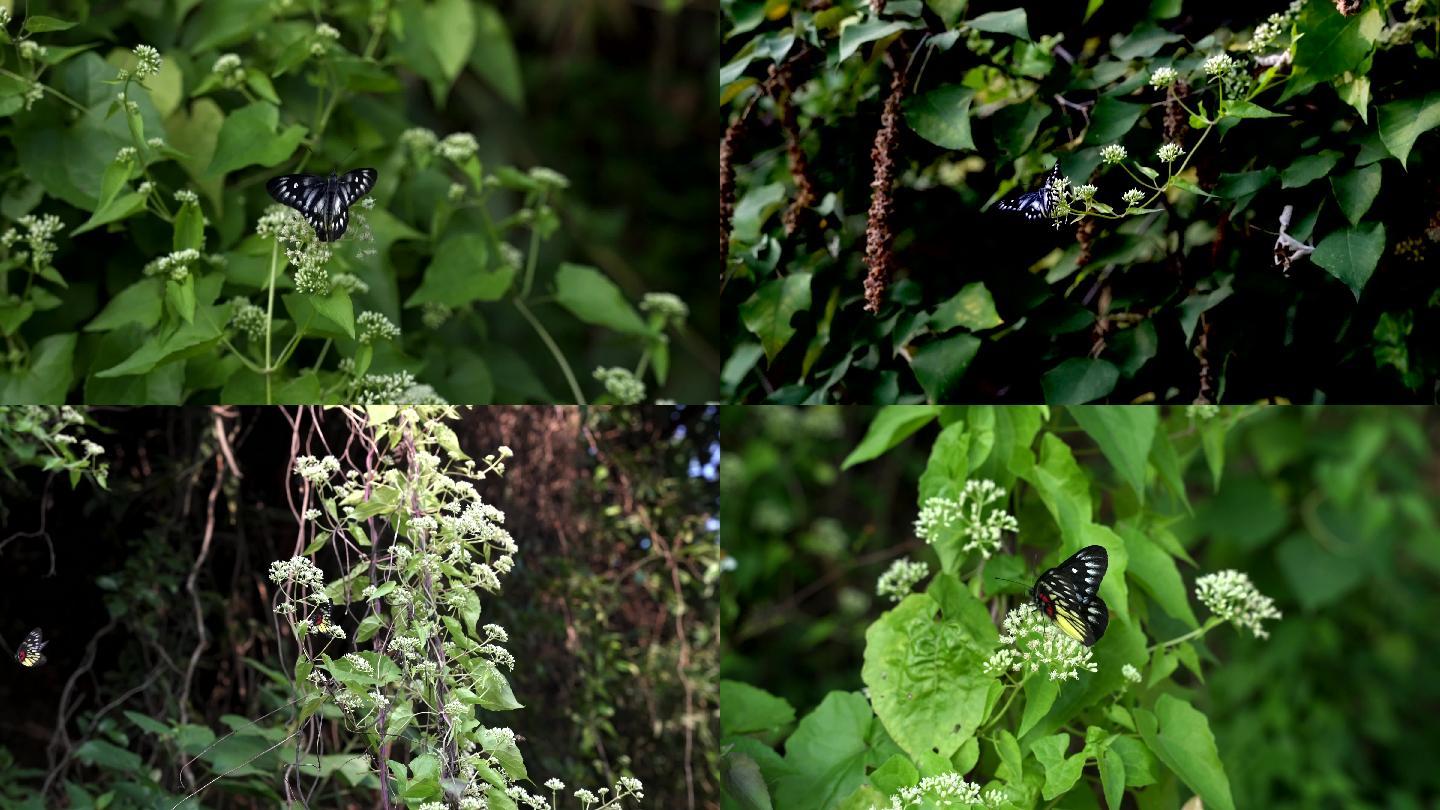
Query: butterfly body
x,y
324,200
1068,595
29,654
1038,204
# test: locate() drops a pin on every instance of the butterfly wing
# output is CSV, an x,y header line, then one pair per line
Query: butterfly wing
x,y
29,653
1038,204
1069,594
324,201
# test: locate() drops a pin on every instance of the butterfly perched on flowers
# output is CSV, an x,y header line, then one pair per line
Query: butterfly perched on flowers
x,y
1068,595
1037,204
325,201
29,653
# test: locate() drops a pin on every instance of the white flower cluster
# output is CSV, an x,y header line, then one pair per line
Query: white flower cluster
x,y
1231,596
1131,673
1133,197
371,326
1036,644
317,470
622,384
1163,77
186,197
667,305
549,178
30,50
39,233
1112,154
418,139
298,570
1085,192
230,70
148,63
174,266
627,787
944,790
970,517
4,16
247,318
897,582
1276,26
1169,152
1218,65
434,314
458,146
302,247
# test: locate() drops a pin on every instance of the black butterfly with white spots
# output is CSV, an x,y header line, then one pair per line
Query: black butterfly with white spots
x,y
1037,204
325,201
1068,594
29,654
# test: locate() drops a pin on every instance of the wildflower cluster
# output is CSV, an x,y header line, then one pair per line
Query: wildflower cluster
x,y
1167,153
970,517
1130,673
1275,31
458,147
325,36
1112,154
43,435
897,582
1201,413
247,318
147,62
174,266
667,306
371,326
945,790
1036,644
39,235
230,70
622,384
1232,597
1163,77
302,247
1218,65
1133,197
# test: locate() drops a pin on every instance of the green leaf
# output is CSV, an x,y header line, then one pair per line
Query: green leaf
x,y
1063,487
1112,778
767,313
743,781
942,116
1309,168
1356,93
892,425
1179,735
1319,577
180,295
1061,772
1239,108
118,209
1356,190
1333,43
1124,436
1011,21
1401,122
249,137
827,753
189,228
493,58
745,709
853,36
116,175
948,466
1157,574
49,376
1011,768
929,702
98,753
461,272
1111,119
1139,762
593,298
1351,254
972,308
40,24
1078,380
1040,694
940,364
451,34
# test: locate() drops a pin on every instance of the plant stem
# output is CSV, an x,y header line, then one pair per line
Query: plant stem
x,y
52,91
554,350
534,254
644,361
1001,713
270,315
1209,625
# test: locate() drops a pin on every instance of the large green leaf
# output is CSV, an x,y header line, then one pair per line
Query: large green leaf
x,y
1157,574
942,116
745,709
251,136
892,425
1078,380
1111,119
940,364
1351,254
1179,735
972,308
1401,122
1334,43
494,58
1124,436
1356,190
593,298
827,753
1061,772
768,312
1011,21
461,272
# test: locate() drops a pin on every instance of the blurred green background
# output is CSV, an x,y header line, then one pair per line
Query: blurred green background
x,y
1331,511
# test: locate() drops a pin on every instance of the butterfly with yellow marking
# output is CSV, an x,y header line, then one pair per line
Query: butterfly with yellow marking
x,y
1068,594
29,654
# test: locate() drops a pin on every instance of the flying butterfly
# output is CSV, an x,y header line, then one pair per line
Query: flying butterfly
x,y
29,653
325,201
1068,595
1037,204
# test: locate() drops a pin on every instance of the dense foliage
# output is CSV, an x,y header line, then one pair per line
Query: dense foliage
x,y
1246,205
843,689
142,260
388,607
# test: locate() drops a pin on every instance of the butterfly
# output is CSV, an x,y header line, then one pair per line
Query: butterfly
x,y
1037,204
1067,594
325,201
29,653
